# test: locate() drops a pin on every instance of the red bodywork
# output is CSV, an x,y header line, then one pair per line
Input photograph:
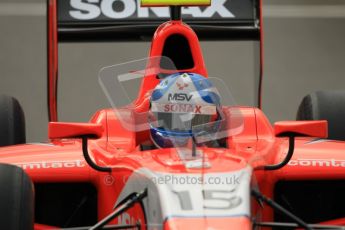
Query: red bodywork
x,y
62,161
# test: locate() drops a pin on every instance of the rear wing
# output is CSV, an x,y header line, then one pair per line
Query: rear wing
x,y
126,20
80,20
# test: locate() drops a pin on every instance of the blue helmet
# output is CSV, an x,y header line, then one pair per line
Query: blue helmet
x,y
182,105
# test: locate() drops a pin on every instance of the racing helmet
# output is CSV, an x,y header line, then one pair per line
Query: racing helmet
x,y
182,106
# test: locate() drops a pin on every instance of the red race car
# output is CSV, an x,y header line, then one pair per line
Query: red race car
x,y
177,152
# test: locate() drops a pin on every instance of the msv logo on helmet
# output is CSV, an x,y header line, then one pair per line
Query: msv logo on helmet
x,y
93,9
179,97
